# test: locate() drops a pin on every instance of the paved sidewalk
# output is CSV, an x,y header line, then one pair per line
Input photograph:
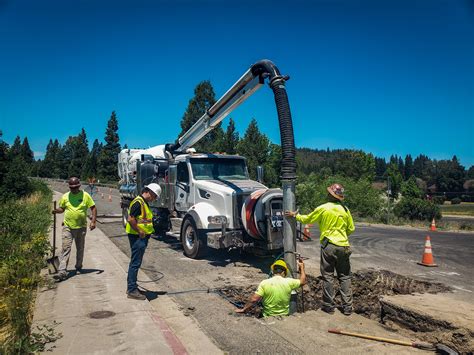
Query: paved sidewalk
x,y
134,327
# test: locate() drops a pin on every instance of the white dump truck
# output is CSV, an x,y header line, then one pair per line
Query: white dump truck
x,y
208,200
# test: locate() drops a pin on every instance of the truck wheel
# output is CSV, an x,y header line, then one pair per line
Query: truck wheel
x,y
124,216
194,244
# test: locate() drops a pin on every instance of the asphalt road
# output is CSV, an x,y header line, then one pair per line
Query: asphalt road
x,y
192,281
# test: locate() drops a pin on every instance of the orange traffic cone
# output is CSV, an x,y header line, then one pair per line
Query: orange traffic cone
x,y
433,225
427,254
306,232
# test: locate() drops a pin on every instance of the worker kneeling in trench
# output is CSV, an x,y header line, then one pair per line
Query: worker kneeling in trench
x,y
276,291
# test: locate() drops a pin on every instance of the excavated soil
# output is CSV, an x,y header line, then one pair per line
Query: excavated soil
x,y
367,287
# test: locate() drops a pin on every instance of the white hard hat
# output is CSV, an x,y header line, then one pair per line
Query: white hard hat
x,y
155,188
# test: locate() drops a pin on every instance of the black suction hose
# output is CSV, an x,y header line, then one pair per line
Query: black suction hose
x,y
277,83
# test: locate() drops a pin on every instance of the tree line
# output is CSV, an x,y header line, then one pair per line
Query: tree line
x,y
74,158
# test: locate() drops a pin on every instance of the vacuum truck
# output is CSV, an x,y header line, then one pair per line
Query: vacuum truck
x,y
208,200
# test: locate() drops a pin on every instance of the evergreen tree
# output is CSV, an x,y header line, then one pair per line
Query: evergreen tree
x,y
90,167
16,149
380,166
49,167
27,153
4,162
108,157
203,99
401,167
396,179
423,167
470,173
231,138
254,146
449,175
408,166
272,167
79,153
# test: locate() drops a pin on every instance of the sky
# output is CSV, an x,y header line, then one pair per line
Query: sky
x,y
387,77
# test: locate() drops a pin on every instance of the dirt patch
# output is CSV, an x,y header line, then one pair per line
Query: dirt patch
x,y
367,287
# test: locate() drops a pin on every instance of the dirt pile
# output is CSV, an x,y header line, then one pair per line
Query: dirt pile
x,y
367,287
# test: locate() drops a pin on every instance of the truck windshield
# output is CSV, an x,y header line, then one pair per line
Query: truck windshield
x,y
219,169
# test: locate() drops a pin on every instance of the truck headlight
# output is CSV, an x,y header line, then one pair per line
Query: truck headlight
x,y
217,219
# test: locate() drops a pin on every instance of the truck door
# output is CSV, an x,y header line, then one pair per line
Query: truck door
x,y
182,187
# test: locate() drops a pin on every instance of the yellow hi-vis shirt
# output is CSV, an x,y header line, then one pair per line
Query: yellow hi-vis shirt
x,y
276,293
335,222
75,208
144,221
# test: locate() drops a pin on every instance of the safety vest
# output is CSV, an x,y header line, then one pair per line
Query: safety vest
x,y
145,220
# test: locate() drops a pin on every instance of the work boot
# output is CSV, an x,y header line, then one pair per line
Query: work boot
x,y
347,311
328,310
60,277
78,270
136,295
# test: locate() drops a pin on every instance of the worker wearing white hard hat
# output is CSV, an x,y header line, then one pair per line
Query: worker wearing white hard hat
x,y
139,229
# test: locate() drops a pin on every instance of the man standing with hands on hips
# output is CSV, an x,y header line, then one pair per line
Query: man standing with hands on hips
x,y
75,204
336,224
139,229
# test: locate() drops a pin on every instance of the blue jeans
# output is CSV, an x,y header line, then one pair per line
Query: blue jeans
x,y
138,247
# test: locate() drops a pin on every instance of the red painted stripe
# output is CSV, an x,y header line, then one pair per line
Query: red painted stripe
x,y
174,343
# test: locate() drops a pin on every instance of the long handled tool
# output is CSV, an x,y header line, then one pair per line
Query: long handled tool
x,y
418,345
53,262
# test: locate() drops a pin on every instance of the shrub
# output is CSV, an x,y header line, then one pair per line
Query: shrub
x,y
456,201
361,198
438,200
417,209
24,242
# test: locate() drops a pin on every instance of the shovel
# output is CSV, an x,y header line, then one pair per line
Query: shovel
x,y
53,262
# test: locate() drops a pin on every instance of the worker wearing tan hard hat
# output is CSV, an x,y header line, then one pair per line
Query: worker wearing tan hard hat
x,y
75,204
336,224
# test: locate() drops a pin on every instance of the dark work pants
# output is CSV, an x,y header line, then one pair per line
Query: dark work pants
x,y
138,246
336,258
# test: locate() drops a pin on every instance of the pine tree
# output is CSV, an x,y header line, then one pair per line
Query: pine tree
x,y
90,167
231,138
204,98
79,153
254,146
26,152
380,166
16,149
408,166
4,161
108,157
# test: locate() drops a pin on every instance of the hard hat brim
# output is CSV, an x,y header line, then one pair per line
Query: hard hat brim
x,y
340,198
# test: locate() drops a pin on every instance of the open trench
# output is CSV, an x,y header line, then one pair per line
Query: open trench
x,y
368,287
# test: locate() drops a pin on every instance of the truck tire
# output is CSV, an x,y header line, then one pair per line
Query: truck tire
x,y
124,216
194,243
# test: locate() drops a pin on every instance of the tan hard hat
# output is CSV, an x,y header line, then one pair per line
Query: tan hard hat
x,y
337,191
74,182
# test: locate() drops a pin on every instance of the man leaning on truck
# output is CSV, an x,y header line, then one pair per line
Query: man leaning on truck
x,y
139,229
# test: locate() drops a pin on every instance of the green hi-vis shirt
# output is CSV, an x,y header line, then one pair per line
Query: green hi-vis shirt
x,y
276,293
75,207
335,222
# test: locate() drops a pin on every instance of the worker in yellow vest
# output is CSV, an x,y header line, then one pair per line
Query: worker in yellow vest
x,y
335,224
276,291
139,229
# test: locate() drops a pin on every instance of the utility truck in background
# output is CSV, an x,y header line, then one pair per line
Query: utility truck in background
x,y
208,200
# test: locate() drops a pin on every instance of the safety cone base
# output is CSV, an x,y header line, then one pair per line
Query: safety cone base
x,y
429,265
